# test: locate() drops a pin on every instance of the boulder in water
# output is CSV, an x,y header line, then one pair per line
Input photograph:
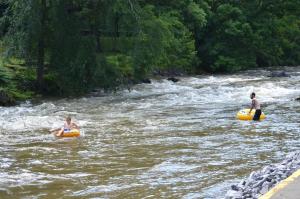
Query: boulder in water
x,y
279,74
146,81
173,79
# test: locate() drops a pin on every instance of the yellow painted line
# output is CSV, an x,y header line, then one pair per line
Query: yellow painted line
x,y
281,185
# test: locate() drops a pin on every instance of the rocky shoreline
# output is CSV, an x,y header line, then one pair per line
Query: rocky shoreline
x,y
260,182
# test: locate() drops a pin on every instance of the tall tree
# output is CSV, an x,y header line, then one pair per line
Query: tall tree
x,y
27,33
41,45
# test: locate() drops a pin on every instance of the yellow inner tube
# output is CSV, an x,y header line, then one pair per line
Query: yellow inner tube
x,y
244,115
72,133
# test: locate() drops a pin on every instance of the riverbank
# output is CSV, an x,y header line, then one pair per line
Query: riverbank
x,y
260,182
287,189
17,82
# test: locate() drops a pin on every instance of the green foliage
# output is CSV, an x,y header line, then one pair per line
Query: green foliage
x,y
276,28
164,43
14,78
75,46
228,46
151,42
122,65
180,52
196,16
115,70
5,75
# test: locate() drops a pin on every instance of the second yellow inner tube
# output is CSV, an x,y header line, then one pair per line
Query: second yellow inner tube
x,y
244,115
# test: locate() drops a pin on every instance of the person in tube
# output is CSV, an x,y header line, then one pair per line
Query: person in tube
x,y
255,105
68,126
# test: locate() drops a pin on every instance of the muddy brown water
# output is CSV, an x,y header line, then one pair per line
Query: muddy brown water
x,y
161,140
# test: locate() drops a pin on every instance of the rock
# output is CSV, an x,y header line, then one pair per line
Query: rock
x,y
265,188
256,190
231,194
242,183
169,73
173,79
253,176
269,179
260,182
146,81
279,74
234,187
247,196
6,99
281,167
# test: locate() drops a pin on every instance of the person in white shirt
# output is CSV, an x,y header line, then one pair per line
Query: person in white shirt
x,y
255,105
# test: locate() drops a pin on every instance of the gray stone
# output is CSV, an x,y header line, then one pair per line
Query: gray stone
x,y
259,182
253,176
265,188
231,194
235,188
255,190
173,79
242,183
279,74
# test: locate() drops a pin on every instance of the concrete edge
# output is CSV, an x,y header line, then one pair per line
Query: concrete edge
x,y
281,185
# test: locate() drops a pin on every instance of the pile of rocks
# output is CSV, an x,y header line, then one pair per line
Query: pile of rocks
x,y
260,182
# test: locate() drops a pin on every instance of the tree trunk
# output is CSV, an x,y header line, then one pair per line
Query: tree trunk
x,y
116,31
98,43
95,28
41,49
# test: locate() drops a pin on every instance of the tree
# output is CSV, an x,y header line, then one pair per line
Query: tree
x,y
226,43
27,33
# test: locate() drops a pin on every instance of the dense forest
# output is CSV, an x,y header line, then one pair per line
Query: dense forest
x,y
69,47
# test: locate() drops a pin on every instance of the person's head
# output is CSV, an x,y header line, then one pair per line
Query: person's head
x,y
252,95
68,119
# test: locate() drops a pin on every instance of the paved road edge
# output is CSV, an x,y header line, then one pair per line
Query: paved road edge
x,y
281,185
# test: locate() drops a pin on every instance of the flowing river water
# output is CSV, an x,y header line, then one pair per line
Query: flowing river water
x,y
161,140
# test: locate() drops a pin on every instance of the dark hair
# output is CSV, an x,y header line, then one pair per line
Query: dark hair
x,y
253,94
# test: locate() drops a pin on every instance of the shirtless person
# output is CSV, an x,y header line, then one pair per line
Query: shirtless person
x,y
255,105
68,126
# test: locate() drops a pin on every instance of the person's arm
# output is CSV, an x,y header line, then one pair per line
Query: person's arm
x,y
252,106
75,126
58,129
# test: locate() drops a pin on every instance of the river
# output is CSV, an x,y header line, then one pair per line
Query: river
x,y
160,140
